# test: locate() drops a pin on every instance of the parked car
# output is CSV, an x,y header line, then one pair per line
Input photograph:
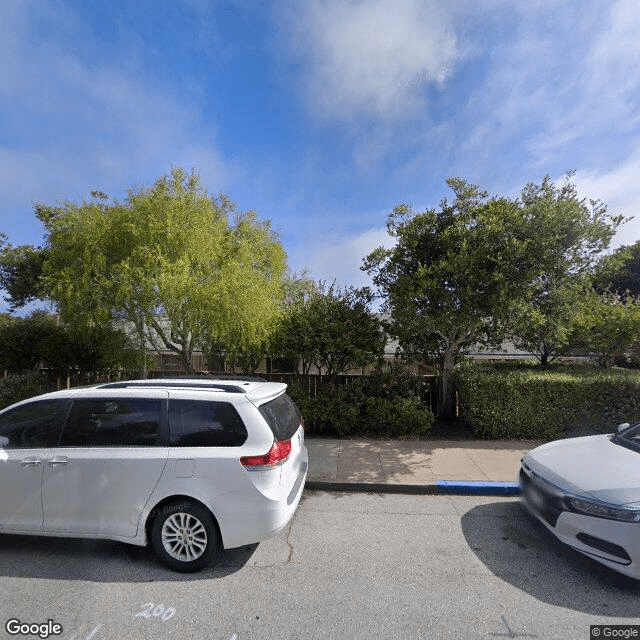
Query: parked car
x,y
190,466
586,491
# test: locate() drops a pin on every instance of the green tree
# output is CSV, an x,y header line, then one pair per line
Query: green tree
x,y
20,272
40,341
332,329
21,340
620,271
84,354
457,274
547,324
609,325
184,269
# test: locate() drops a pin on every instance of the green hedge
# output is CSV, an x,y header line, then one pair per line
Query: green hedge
x,y
21,386
518,400
387,403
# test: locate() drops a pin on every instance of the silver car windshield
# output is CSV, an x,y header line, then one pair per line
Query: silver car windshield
x,y
629,437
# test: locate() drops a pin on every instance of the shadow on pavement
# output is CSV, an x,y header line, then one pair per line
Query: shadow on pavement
x,y
515,547
102,561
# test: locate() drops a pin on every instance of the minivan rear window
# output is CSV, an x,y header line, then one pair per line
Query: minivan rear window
x,y
282,416
203,423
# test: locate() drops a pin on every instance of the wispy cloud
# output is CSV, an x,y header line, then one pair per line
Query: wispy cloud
x,y
369,58
619,189
87,120
339,258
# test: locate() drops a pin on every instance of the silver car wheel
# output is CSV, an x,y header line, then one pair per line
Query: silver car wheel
x,y
184,537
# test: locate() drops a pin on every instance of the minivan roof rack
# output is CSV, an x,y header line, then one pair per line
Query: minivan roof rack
x,y
215,376
186,384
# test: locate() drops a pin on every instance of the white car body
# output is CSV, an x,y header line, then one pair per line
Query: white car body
x,y
586,491
113,492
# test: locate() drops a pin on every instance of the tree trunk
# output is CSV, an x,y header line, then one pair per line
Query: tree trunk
x,y
447,408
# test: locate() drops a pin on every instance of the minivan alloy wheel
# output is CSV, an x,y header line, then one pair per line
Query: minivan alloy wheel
x,y
184,537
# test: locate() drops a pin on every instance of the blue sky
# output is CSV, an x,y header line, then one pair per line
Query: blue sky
x,y
322,115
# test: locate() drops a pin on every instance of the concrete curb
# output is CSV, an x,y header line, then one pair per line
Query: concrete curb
x,y
440,487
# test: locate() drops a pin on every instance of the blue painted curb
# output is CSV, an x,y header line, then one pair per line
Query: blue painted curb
x,y
465,487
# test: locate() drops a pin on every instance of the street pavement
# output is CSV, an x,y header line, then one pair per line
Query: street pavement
x,y
416,466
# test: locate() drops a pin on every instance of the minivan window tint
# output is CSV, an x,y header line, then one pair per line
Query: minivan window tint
x,y
282,416
201,423
113,422
34,425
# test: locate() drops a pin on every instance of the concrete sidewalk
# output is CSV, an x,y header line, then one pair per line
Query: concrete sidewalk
x,y
416,466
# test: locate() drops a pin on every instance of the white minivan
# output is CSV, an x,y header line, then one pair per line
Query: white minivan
x,y
188,465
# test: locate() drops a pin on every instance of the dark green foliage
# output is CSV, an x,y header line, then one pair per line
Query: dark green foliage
x,y
620,271
523,401
20,272
22,386
21,340
38,341
331,329
387,403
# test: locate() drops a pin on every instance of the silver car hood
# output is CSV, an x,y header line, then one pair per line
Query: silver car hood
x,y
589,466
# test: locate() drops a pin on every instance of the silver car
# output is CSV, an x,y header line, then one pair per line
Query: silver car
x,y
189,466
586,491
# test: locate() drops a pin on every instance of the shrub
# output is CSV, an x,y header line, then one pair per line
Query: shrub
x,y
517,400
21,386
386,403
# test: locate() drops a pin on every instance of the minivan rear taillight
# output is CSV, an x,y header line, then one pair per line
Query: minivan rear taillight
x,y
278,453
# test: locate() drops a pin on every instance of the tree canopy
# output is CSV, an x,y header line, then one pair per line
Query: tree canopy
x,y
457,273
332,329
183,268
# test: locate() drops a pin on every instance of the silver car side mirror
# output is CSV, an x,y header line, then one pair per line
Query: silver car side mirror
x,y
622,426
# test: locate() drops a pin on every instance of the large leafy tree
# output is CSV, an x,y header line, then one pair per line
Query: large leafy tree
x,y
457,273
331,329
182,268
547,325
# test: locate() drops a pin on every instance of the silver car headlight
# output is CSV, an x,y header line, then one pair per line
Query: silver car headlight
x,y
600,510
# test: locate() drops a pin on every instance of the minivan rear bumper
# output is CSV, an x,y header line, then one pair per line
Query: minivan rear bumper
x,y
248,517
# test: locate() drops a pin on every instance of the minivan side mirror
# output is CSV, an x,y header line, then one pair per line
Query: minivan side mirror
x,y
622,426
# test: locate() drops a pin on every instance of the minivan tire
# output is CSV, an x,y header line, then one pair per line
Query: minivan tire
x,y
184,536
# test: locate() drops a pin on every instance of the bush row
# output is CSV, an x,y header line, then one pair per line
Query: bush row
x,y
519,400
387,403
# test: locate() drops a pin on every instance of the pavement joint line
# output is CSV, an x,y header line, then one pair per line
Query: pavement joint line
x,y
474,463
380,461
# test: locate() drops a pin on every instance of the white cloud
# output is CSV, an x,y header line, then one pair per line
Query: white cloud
x,y
619,189
370,58
340,258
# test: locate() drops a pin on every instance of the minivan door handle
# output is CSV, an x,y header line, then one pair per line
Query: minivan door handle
x,y
27,462
62,460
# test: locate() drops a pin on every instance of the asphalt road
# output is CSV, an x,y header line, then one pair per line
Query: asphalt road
x,y
350,566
